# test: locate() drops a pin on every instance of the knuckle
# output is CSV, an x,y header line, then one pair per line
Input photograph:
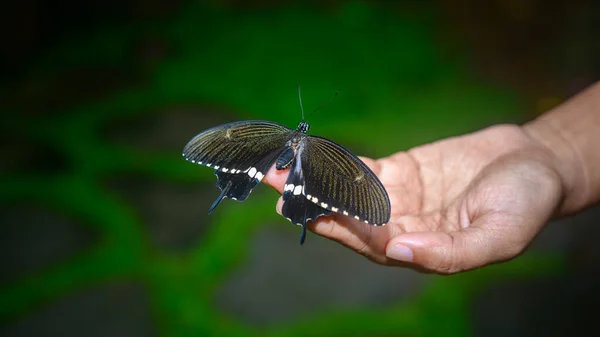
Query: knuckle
x,y
450,260
448,265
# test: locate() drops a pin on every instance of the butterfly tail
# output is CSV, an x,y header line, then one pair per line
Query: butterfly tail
x,y
303,235
220,197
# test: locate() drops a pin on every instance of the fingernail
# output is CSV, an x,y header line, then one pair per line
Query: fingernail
x,y
401,253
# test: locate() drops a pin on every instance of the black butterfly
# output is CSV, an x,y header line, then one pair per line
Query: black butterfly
x,y
324,176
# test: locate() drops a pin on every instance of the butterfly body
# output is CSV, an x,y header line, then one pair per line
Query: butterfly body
x,y
324,176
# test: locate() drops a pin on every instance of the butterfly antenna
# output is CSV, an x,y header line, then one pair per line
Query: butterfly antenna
x,y
324,104
300,99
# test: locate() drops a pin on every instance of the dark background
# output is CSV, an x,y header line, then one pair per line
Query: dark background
x,y
104,226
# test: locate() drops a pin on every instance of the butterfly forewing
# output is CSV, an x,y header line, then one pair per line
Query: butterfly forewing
x,y
236,146
337,180
240,153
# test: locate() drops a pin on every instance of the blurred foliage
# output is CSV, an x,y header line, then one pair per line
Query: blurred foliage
x,y
396,91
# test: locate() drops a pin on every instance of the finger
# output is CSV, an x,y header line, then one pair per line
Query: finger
x,y
279,205
372,164
347,231
276,178
486,241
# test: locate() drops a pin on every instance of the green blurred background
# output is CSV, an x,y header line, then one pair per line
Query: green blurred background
x,y
104,226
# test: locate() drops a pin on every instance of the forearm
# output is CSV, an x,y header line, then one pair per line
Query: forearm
x,y
571,132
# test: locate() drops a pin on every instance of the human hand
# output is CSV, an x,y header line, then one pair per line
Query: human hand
x,y
456,204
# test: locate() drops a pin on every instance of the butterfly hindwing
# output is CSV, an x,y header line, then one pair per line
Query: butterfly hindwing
x,y
244,181
296,208
240,152
335,179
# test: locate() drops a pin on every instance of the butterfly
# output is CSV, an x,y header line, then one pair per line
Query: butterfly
x,y
324,176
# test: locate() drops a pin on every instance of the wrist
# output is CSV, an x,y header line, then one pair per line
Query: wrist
x,y
563,159
571,133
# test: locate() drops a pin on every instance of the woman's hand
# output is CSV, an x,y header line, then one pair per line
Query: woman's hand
x,y
469,201
457,204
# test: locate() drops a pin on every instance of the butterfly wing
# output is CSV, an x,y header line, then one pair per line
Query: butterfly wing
x,y
296,207
240,152
336,180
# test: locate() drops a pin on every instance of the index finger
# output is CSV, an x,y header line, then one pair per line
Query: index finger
x,y
276,178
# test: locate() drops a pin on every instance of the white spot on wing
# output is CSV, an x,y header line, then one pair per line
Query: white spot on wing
x,y
334,209
224,170
356,217
308,196
324,205
252,172
297,190
345,213
216,167
315,200
259,176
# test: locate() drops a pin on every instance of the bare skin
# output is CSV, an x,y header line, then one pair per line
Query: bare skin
x,y
469,201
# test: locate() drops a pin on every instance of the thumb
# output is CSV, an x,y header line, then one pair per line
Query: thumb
x,y
491,238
